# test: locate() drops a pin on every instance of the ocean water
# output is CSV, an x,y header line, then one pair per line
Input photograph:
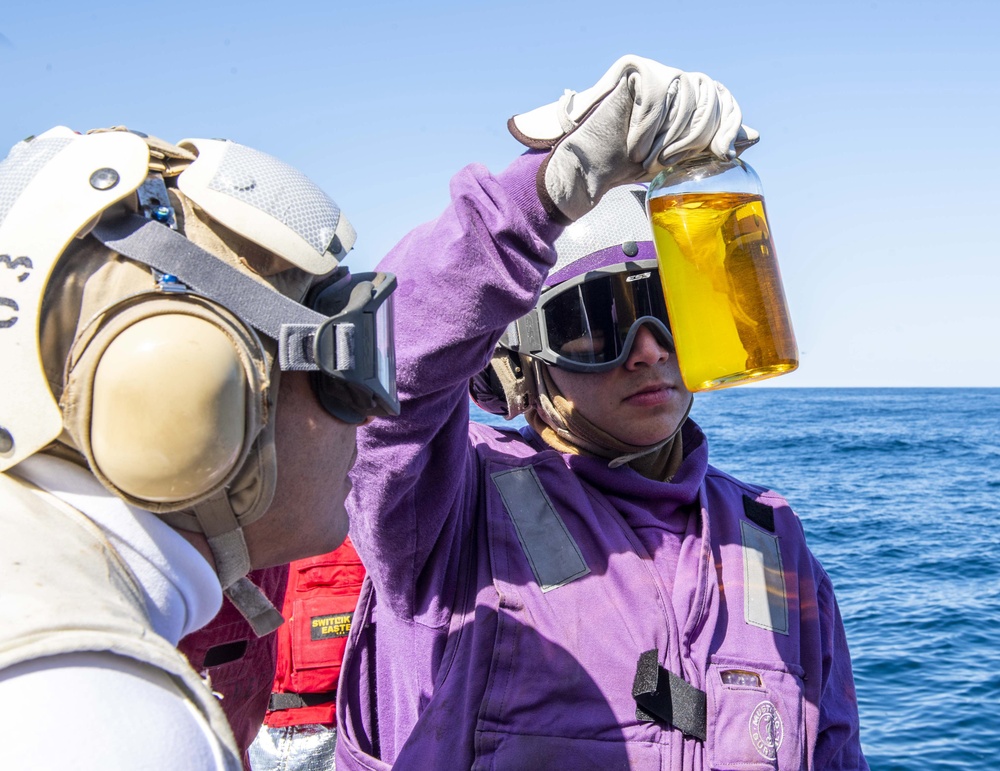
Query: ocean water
x,y
899,493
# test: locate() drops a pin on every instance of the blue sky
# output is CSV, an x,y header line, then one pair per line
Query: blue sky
x,y
878,123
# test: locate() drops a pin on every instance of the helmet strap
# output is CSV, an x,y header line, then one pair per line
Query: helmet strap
x,y
232,563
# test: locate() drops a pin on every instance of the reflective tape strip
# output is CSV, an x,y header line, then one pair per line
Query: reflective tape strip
x,y
765,602
554,556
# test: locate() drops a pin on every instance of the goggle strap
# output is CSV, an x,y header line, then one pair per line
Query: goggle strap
x,y
510,339
525,334
296,352
295,348
262,307
345,347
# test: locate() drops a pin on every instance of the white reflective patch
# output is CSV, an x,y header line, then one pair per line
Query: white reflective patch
x,y
765,601
622,218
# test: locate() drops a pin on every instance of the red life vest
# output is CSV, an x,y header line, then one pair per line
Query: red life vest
x,y
319,606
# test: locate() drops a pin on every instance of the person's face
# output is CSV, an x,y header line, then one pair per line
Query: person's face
x,y
641,402
314,451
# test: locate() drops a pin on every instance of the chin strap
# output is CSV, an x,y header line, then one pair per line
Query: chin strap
x,y
232,563
621,460
250,601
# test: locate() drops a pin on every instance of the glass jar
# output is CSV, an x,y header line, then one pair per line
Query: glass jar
x,y
727,307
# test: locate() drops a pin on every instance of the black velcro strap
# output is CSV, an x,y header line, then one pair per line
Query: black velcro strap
x,y
663,696
280,701
759,513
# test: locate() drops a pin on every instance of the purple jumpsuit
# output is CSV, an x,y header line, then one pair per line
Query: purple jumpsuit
x,y
523,598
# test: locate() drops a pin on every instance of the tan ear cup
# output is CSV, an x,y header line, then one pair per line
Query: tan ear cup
x,y
165,397
168,398
168,414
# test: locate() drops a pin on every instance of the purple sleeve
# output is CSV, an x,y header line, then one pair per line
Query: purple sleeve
x,y
461,279
838,742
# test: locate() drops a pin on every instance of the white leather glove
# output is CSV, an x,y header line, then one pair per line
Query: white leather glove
x,y
640,117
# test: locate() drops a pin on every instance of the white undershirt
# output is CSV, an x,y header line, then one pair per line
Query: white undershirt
x,y
181,589
100,711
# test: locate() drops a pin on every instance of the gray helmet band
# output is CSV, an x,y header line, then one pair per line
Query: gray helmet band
x,y
341,347
279,317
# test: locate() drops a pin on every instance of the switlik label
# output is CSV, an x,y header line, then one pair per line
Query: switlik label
x,y
331,626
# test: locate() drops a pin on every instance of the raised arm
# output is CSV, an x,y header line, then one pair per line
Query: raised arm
x,y
480,265
462,279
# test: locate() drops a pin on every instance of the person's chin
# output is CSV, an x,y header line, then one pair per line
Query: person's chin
x,y
334,535
651,429
321,541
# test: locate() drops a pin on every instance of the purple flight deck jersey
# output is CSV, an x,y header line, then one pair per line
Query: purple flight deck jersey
x,y
521,600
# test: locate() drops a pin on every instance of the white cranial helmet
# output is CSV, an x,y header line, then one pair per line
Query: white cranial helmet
x,y
167,392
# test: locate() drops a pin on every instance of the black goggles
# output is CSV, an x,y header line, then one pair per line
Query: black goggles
x,y
354,350
588,323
